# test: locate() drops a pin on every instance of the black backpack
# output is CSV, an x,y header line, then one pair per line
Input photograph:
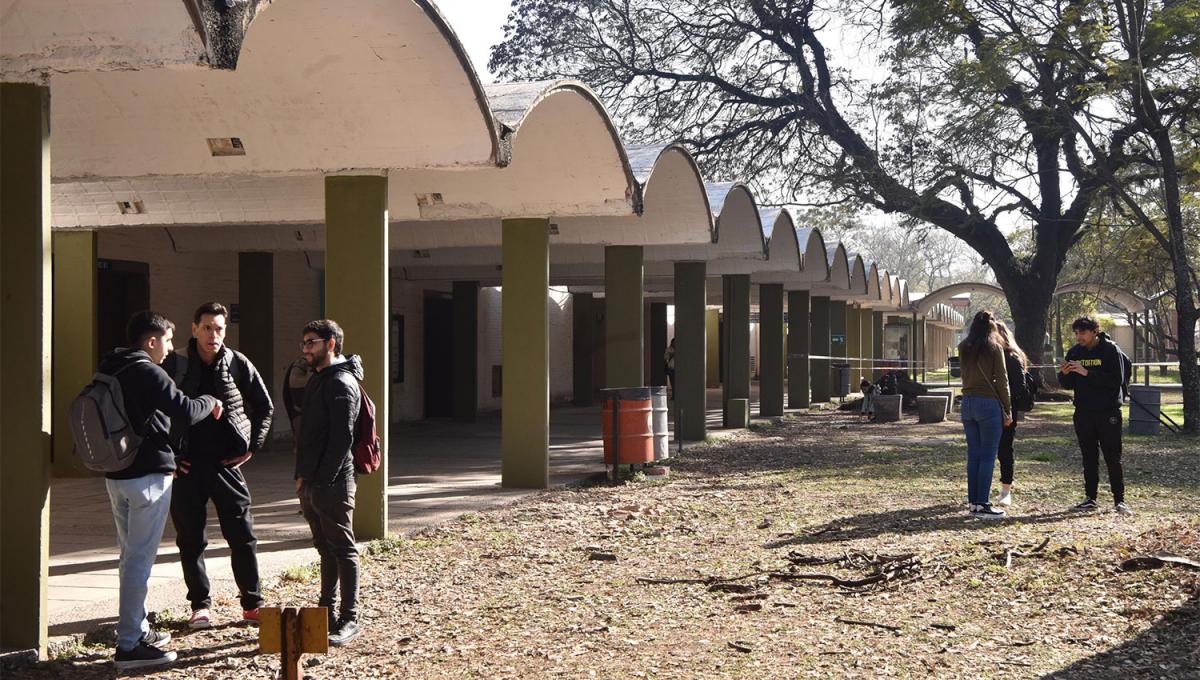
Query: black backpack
x,y
1025,391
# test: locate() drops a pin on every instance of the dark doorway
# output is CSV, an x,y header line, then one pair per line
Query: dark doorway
x,y
123,288
439,347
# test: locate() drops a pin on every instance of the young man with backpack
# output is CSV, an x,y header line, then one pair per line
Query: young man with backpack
x,y
1097,370
325,470
140,493
211,459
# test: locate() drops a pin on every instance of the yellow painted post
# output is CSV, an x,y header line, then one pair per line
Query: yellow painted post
x,y
75,339
356,296
25,317
712,348
624,317
525,347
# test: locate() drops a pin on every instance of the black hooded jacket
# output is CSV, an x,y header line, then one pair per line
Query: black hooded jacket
x,y
324,448
244,396
1100,389
151,402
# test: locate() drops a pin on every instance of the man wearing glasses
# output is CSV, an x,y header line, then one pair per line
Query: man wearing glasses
x,y
325,480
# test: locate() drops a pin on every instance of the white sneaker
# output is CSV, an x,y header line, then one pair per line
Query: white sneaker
x,y
1005,498
200,619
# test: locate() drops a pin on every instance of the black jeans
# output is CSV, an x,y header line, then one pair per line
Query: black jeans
x,y
208,480
1100,431
329,511
1005,453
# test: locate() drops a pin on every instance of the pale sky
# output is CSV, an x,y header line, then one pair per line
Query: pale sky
x,y
478,24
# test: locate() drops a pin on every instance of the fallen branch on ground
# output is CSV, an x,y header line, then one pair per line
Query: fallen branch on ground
x,y
1157,561
870,624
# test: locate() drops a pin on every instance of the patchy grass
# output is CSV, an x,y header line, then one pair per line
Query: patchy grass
x,y
306,573
514,592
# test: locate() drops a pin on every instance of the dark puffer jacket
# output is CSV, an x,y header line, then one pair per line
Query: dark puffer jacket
x,y
324,449
240,387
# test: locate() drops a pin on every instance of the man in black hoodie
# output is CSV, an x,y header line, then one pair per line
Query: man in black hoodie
x,y
141,493
325,480
1093,369
210,464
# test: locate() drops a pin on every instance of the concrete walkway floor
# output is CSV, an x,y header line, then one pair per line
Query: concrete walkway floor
x,y
439,471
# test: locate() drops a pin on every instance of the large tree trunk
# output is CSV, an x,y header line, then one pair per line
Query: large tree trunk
x,y
1029,300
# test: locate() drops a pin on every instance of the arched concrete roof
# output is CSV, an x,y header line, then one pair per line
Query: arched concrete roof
x,y
838,264
1129,301
38,39
923,305
814,259
377,84
783,263
858,276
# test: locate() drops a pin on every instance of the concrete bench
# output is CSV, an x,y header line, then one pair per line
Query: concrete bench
x,y
948,394
887,408
932,408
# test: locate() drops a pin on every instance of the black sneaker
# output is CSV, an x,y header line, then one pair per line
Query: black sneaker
x,y
345,632
1087,506
987,512
142,656
156,638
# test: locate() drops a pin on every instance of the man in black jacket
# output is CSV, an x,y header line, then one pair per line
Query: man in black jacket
x,y
141,493
213,453
1093,369
325,480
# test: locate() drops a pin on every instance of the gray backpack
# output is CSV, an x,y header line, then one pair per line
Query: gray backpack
x,y
105,440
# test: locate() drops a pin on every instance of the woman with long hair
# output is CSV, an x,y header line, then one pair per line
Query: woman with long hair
x,y
1015,364
986,409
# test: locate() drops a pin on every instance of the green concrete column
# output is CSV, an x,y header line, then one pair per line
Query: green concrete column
x,y
256,302
854,341
920,331
770,350
464,373
582,344
798,324
25,317
74,349
736,303
877,344
658,343
356,296
525,343
819,338
839,343
623,275
712,360
691,351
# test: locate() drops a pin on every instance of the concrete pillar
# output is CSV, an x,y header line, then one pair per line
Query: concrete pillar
x,y
658,343
712,356
356,296
623,330
464,372
919,331
256,303
770,349
691,351
854,341
25,317
525,343
819,338
736,303
798,348
75,348
839,333
877,344
582,344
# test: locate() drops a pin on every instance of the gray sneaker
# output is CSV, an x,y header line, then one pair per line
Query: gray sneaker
x,y
344,633
1123,508
156,638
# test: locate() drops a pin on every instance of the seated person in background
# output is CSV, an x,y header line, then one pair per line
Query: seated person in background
x,y
868,401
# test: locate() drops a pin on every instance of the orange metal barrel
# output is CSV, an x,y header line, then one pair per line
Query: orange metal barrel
x,y
634,422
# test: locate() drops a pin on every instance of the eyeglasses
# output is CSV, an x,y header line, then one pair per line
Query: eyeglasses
x,y
307,344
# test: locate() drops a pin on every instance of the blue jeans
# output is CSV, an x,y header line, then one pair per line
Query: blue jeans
x,y
983,421
140,507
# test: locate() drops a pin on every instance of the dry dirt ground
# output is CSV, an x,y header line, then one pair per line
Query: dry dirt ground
x,y
815,547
